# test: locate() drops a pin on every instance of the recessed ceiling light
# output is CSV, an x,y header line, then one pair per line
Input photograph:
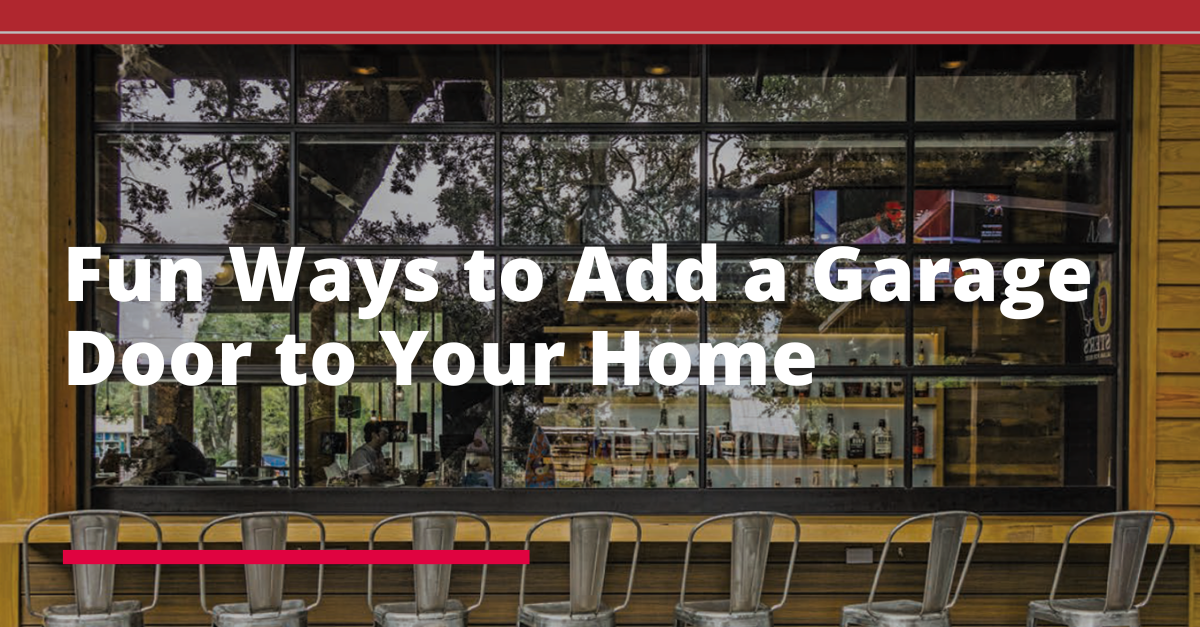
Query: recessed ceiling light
x,y
364,70
953,64
658,69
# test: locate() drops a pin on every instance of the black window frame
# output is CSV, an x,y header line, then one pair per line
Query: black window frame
x,y
702,500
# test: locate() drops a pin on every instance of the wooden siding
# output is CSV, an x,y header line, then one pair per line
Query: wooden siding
x,y
1172,197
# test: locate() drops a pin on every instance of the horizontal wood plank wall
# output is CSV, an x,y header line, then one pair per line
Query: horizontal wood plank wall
x,y
1177,359
1002,580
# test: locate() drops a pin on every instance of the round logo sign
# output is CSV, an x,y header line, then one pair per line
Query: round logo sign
x,y
1102,307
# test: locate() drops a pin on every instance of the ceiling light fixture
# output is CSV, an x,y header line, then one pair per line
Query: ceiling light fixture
x,y
658,69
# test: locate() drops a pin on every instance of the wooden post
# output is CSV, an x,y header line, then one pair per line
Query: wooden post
x,y
1143,281
25,432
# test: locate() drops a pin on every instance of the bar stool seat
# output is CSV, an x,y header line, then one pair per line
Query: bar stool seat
x,y
122,614
1127,554
933,610
900,611
405,614
717,611
558,614
292,613
749,545
1083,613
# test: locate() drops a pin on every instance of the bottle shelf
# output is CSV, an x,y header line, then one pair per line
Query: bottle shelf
x,y
828,401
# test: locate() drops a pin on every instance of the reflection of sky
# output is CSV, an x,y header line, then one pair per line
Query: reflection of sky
x,y
182,222
150,101
153,321
420,206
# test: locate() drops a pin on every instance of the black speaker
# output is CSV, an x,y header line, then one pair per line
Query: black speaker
x,y
349,406
420,423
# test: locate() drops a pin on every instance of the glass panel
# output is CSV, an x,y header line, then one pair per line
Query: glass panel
x,y
452,316
857,333
169,434
373,432
1020,431
977,333
1028,188
806,83
601,83
396,84
414,189
572,434
977,83
221,316
778,436
551,318
191,189
139,83
600,189
806,189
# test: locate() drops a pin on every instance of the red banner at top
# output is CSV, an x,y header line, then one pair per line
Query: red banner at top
x,y
623,21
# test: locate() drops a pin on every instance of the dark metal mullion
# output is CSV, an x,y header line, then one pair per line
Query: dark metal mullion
x,y
497,234
680,249
618,128
702,390
1122,217
293,238
910,102
85,234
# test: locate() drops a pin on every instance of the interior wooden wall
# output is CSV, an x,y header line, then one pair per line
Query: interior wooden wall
x,y
1001,582
1166,282
24,229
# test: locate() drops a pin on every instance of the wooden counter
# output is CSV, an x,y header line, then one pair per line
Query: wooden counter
x,y
829,529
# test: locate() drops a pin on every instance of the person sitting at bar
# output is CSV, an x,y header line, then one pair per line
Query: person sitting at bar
x,y
367,461
170,459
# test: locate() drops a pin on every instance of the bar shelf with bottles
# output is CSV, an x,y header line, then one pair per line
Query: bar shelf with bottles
x,y
763,436
838,432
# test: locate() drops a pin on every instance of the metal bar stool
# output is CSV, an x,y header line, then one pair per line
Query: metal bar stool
x,y
432,605
94,606
591,534
945,544
1130,539
265,605
750,543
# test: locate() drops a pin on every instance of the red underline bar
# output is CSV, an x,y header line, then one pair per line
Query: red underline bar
x,y
328,556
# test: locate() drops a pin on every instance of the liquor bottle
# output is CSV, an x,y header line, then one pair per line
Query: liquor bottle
x,y
852,389
881,441
856,443
745,444
829,440
791,446
921,388
918,438
896,387
798,482
681,421
810,437
890,481
921,354
816,479
662,417
671,477
585,355
854,476
708,480
727,441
